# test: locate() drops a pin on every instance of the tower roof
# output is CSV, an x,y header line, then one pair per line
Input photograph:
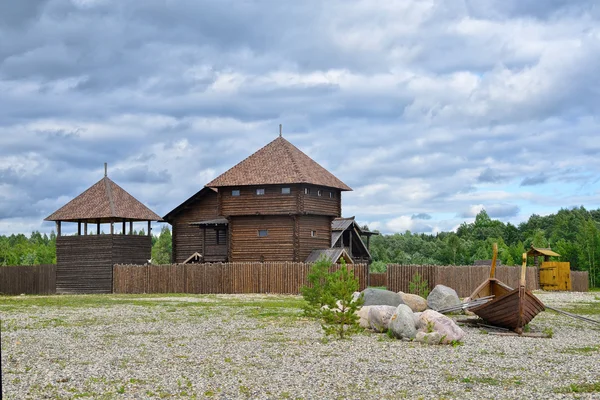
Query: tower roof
x,y
279,162
104,202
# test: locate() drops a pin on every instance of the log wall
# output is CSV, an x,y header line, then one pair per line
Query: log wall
x,y
321,225
28,279
84,263
247,246
187,239
273,202
321,205
268,277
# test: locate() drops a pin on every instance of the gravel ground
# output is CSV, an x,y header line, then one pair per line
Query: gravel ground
x,y
213,347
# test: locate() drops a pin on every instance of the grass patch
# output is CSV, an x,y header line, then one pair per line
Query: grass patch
x,y
579,388
581,350
587,308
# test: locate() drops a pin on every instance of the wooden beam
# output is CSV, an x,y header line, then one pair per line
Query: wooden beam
x,y
204,243
123,231
98,228
58,228
85,228
149,228
112,228
78,228
131,227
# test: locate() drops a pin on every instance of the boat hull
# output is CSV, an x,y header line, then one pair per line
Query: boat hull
x,y
512,310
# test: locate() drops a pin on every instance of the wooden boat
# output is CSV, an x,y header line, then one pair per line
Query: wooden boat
x,y
509,308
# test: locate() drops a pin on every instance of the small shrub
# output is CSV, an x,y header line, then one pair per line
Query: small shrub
x,y
330,298
318,284
419,286
339,317
548,332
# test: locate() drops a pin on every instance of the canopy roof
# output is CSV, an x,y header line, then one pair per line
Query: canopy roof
x,y
332,255
536,251
104,202
279,162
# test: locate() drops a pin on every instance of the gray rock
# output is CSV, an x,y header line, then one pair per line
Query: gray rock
x,y
363,315
432,321
402,323
381,297
428,338
441,297
379,317
415,302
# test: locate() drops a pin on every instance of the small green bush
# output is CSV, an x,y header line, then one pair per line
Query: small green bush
x,y
331,300
419,286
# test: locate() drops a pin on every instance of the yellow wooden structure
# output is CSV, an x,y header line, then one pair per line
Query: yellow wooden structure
x,y
554,275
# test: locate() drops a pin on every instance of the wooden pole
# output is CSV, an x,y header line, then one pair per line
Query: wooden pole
x,y
124,230
494,256
204,243
98,228
131,227
112,228
58,228
149,228
523,270
85,228
78,228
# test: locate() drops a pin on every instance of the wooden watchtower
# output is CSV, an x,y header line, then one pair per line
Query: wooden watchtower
x,y
84,262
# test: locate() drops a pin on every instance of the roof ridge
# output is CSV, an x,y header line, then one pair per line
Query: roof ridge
x,y
111,202
292,157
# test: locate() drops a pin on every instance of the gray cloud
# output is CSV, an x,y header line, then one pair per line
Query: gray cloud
x,y
421,216
535,180
499,211
172,96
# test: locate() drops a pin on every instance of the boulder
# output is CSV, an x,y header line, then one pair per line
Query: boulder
x,y
415,302
363,315
380,297
432,321
428,338
379,317
402,323
441,297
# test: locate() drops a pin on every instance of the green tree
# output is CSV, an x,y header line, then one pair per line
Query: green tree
x,y
161,250
339,316
318,281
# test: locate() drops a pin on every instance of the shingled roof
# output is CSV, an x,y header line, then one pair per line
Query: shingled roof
x,y
104,202
279,162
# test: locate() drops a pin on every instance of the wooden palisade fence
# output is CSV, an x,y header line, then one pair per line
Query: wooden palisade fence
x,y
28,279
465,279
275,277
268,277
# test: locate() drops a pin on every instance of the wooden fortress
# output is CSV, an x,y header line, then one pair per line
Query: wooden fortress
x,y
276,205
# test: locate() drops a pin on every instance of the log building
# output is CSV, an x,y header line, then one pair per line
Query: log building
x,y
276,205
84,262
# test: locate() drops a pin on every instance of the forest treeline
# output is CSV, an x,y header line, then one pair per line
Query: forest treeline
x,y
573,233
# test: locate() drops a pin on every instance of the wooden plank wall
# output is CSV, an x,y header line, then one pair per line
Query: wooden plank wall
x,y
268,277
463,279
378,279
84,263
28,279
580,281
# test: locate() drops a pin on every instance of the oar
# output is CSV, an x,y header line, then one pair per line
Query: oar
x,y
568,314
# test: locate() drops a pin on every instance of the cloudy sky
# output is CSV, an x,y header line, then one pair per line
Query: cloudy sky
x,y
429,110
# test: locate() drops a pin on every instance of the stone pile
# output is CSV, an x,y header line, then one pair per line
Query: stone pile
x,y
411,317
